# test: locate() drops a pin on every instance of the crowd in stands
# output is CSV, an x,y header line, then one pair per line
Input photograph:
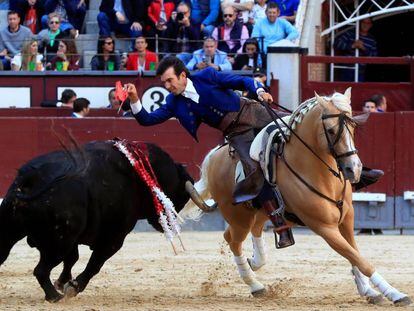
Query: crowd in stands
x,y
224,34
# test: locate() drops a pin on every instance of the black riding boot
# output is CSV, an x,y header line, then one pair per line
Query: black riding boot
x,y
281,228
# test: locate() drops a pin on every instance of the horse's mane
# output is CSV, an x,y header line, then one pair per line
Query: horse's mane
x,y
342,102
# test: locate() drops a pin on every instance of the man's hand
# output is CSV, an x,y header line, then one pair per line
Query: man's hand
x,y
132,93
136,26
266,97
120,17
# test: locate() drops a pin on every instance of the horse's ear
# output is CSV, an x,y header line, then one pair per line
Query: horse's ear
x,y
361,118
320,100
348,93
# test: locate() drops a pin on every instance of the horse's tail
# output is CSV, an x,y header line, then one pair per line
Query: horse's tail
x,y
191,210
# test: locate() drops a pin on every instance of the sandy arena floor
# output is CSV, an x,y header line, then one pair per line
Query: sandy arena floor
x,y
145,275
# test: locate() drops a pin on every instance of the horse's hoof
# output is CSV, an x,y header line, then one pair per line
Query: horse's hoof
x,y
259,293
252,265
58,285
405,301
375,300
70,289
54,298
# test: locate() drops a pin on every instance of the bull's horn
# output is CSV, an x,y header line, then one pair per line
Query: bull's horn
x,y
195,196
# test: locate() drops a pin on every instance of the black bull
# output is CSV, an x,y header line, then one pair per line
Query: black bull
x,y
89,196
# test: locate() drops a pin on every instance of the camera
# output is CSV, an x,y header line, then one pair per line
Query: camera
x,y
180,16
207,59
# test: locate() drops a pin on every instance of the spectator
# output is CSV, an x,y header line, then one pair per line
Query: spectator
x,y
258,11
107,58
141,59
347,45
80,108
114,103
209,56
242,7
67,58
250,59
28,59
369,106
288,9
186,32
272,28
205,13
12,38
122,16
232,34
159,13
380,102
49,38
67,99
72,15
30,12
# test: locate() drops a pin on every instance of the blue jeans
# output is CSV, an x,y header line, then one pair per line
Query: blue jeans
x,y
108,24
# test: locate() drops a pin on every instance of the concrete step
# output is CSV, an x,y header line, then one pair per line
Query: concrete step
x,y
94,4
87,56
86,42
91,15
92,27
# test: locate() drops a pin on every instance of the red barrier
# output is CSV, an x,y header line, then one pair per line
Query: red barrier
x,y
25,138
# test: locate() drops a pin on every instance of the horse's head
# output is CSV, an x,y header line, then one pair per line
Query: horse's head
x,y
338,126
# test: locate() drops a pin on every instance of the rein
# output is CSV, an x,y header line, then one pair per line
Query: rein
x,y
342,119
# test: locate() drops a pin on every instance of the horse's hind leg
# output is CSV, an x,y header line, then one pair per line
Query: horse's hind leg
x,y
68,263
258,259
334,238
235,238
362,282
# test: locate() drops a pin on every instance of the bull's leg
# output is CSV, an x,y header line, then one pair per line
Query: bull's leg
x,y
42,273
101,253
258,259
362,282
235,238
334,238
68,263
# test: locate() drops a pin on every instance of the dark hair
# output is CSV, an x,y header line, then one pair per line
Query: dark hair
x,y
172,61
272,5
67,95
101,43
109,93
80,103
251,41
11,12
377,99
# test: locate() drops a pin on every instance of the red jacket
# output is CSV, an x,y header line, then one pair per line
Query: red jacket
x,y
132,61
154,10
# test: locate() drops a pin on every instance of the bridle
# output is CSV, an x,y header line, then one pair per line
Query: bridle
x,y
343,121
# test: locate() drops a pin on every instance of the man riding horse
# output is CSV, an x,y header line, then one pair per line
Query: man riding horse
x,y
208,97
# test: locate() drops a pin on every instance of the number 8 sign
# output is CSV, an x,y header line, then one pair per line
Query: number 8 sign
x,y
154,97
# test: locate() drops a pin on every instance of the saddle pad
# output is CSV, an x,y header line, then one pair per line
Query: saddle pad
x,y
264,146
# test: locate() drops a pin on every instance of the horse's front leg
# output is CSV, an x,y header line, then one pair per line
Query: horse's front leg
x,y
235,238
258,259
334,238
362,282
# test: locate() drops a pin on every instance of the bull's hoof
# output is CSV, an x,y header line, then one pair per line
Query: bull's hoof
x,y
54,298
375,300
252,265
405,301
259,293
70,289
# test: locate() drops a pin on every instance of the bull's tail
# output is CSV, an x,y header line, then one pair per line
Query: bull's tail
x,y
191,210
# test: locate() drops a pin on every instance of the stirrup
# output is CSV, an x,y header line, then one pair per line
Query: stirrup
x,y
287,241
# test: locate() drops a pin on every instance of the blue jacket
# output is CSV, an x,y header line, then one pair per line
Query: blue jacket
x,y
216,99
220,59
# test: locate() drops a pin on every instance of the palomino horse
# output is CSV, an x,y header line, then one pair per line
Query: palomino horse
x,y
310,189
